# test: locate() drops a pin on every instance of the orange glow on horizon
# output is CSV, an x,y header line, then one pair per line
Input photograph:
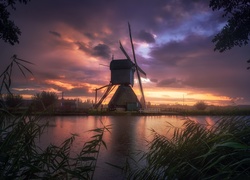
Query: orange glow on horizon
x,y
182,97
67,86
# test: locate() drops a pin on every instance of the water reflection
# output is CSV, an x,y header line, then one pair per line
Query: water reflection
x,y
207,121
128,134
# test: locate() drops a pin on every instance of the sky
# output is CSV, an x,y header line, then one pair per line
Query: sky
x,y
71,42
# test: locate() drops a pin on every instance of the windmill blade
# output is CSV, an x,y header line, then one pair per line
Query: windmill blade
x,y
141,71
137,68
132,45
124,52
127,56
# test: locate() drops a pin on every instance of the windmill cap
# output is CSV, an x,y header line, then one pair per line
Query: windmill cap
x,y
121,64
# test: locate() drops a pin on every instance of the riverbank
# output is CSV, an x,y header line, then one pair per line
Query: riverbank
x,y
182,113
168,113
219,112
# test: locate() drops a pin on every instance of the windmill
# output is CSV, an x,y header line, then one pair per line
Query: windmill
x,y
122,74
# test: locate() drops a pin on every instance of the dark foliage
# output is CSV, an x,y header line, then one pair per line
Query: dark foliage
x,y
237,30
9,32
43,100
13,100
200,105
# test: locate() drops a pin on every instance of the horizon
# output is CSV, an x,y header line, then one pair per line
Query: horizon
x,y
179,103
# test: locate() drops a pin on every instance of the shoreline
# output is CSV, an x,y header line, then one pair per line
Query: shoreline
x,y
235,112
135,113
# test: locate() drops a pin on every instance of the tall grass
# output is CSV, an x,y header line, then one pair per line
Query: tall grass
x,y
20,154
221,151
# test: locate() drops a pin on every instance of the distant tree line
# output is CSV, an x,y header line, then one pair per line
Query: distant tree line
x,y
44,100
200,105
40,101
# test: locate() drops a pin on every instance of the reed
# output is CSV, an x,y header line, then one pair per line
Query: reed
x,y
22,158
20,154
197,151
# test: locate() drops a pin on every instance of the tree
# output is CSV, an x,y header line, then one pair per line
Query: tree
x,y
13,100
44,99
9,32
200,105
237,30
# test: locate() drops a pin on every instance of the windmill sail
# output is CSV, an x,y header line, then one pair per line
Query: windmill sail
x,y
137,69
127,56
124,52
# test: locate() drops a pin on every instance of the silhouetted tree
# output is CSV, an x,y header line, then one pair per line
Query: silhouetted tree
x,y
44,99
9,32
200,105
237,30
13,100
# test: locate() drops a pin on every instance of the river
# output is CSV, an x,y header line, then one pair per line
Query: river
x,y
128,134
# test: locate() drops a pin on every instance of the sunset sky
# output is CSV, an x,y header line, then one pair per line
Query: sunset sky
x,y
69,40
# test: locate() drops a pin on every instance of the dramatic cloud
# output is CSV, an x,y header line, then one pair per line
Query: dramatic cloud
x,y
55,33
83,47
146,36
102,50
173,82
70,41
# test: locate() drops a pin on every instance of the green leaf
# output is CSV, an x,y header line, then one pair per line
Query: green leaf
x,y
234,145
